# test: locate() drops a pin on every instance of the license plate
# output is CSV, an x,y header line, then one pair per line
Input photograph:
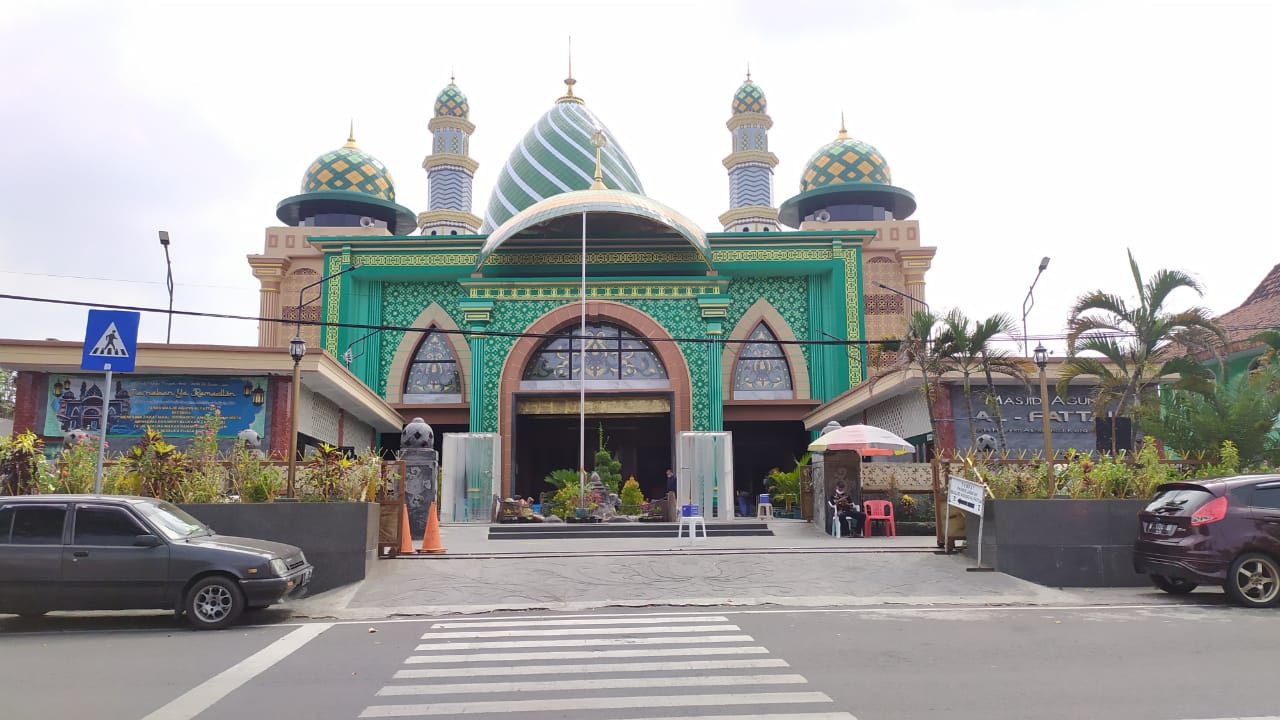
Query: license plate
x,y
1158,528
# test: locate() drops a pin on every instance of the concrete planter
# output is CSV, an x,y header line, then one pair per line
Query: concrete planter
x,y
340,539
1060,542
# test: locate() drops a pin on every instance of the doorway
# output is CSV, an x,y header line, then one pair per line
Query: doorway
x,y
760,446
543,443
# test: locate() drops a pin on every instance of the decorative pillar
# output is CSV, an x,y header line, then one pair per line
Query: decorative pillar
x,y
417,450
750,164
714,310
477,314
269,271
915,263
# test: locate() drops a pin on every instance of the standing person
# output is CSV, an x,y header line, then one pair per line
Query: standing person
x,y
847,509
671,482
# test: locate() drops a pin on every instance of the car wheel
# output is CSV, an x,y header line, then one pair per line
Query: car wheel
x,y
1172,585
1254,581
213,603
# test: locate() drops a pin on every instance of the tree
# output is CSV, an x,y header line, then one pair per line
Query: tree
x,y
1242,409
8,392
1134,340
970,350
924,349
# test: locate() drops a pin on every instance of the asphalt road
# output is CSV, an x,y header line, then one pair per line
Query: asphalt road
x,y
1200,659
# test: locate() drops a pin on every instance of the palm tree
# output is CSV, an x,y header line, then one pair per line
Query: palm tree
x,y
970,351
1242,409
1270,338
1133,340
924,348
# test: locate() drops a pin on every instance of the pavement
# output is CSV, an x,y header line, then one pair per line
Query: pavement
x,y
800,566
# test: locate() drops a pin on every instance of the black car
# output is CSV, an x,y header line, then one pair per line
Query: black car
x,y
98,552
1223,531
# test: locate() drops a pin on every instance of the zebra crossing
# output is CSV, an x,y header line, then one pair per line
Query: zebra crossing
x,y
620,667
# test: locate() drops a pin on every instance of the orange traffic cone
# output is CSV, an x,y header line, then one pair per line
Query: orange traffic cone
x,y
406,536
431,538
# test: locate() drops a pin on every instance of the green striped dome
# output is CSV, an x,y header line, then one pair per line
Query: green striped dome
x,y
845,160
557,156
749,98
352,169
451,102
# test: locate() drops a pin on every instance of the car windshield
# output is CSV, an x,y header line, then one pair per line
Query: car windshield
x,y
174,522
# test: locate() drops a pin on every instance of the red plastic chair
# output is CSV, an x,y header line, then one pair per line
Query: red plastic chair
x,y
880,510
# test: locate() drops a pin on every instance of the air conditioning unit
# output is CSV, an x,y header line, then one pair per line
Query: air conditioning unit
x,y
822,216
368,222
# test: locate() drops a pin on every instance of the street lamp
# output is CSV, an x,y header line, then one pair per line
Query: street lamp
x,y
297,349
1042,361
1030,302
913,299
164,242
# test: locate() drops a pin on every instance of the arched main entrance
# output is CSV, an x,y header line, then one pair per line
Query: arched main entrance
x,y
637,395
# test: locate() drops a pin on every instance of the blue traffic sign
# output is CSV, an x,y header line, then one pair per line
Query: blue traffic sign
x,y
110,338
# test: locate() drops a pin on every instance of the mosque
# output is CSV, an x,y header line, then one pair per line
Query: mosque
x,y
742,330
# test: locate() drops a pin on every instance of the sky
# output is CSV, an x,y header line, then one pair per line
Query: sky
x,y
1074,130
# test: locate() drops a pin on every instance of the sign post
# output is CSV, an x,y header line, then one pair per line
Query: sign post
x,y
970,496
110,343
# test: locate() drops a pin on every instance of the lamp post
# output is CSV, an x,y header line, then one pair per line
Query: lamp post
x,y
1042,361
1029,302
164,242
912,298
297,350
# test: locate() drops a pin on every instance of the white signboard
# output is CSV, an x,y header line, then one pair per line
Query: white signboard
x,y
966,494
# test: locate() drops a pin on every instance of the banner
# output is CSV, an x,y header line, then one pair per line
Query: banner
x,y
173,405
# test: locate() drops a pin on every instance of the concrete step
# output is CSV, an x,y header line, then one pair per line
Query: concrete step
x,y
537,531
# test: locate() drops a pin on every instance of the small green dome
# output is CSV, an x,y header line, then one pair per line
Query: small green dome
x,y
845,160
749,98
452,103
351,169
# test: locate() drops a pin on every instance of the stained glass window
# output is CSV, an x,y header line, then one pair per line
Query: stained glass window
x,y
612,354
433,372
762,371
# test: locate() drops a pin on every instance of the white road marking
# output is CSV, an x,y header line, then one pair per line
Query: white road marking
x,y
564,632
1256,717
591,684
593,703
203,696
612,620
504,670
587,642
587,654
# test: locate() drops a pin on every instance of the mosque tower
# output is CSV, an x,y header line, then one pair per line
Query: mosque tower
x,y
450,168
750,165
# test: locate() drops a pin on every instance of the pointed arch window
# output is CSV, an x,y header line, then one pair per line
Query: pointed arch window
x,y
762,372
434,375
615,358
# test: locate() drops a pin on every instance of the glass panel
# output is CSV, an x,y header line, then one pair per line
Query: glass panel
x,y
6,524
105,526
434,368
761,363
38,525
612,354
173,521
1263,497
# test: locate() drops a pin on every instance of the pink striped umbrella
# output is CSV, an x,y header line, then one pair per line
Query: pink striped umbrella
x,y
863,439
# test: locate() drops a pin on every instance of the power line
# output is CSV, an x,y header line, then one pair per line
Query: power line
x,y
499,333
123,280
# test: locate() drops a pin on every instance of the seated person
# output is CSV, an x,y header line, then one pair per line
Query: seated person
x,y
847,509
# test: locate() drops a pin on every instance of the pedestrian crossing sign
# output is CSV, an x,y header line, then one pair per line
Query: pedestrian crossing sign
x,y
110,337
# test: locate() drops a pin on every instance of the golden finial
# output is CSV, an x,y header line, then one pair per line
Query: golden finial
x,y
599,140
844,134
351,134
569,82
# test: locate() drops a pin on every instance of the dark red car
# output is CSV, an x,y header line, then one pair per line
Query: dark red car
x,y
1221,531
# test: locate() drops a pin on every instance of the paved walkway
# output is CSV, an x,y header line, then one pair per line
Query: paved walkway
x,y
800,566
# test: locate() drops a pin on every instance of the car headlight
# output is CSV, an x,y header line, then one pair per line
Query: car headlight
x,y
279,567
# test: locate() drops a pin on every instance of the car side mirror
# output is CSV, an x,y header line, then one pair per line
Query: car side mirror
x,y
147,541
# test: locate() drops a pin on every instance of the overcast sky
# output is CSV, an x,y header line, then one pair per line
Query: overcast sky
x,y
1068,129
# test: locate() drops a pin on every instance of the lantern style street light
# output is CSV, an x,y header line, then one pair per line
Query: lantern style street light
x,y
1042,361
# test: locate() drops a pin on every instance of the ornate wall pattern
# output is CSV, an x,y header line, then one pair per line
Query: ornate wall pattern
x,y
787,295
906,477
318,417
401,305
886,312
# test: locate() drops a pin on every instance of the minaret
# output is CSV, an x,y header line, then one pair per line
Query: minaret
x,y
750,165
450,169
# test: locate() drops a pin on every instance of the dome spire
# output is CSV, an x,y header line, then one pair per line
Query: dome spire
x,y
844,134
569,82
748,71
351,135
